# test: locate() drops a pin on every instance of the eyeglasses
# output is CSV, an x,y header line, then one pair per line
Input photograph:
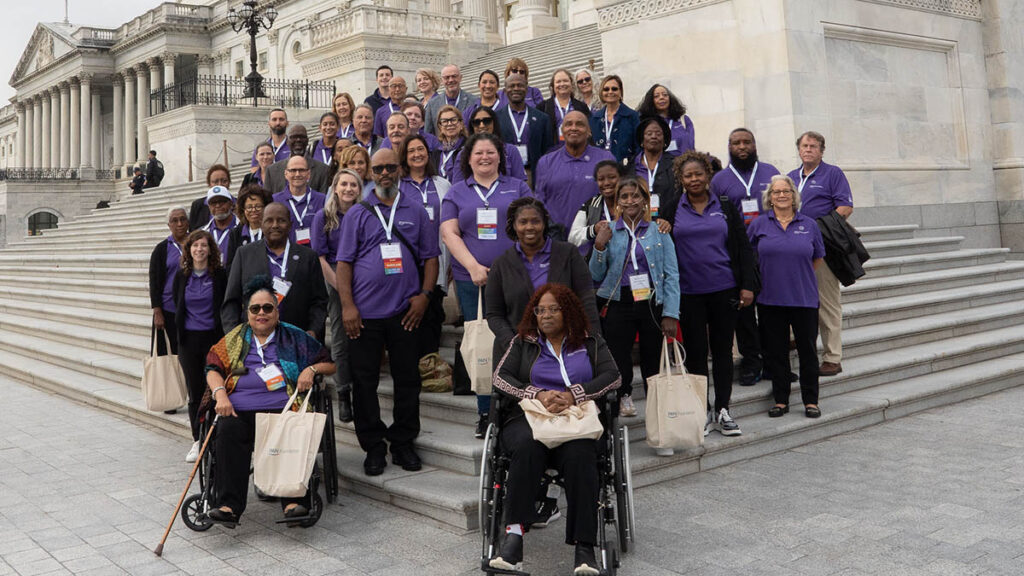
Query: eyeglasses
x,y
296,170
380,168
610,89
257,308
448,121
541,311
483,121
258,208
782,193
517,70
584,80
450,77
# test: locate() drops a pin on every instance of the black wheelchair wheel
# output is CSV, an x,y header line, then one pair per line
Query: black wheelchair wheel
x,y
315,511
193,514
624,490
330,453
489,506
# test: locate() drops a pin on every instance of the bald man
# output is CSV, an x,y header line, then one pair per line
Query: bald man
x,y
298,143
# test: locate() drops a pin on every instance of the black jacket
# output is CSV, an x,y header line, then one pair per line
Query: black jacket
x,y
375,100
158,274
741,256
548,107
844,252
154,173
509,290
235,241
220,282
198,214
541,135
665,186
305,306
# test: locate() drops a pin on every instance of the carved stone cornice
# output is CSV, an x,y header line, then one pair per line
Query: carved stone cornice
x,y
65,87
85,78
969,9
361,55
153,62
117,80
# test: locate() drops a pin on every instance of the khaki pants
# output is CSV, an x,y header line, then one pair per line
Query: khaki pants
x,y
830,314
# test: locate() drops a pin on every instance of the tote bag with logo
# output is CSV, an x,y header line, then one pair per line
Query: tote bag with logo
x,y
676,405
553,430
286,447
477,349
163,382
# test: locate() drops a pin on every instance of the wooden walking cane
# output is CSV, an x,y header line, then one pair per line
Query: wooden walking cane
x,y
160,547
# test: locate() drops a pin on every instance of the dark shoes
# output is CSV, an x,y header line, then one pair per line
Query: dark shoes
x,y
830,368
297,511
586,562
777,411
344,407
749,378
511,553
481,426
375,461
223,517
405,457
547,513
812,412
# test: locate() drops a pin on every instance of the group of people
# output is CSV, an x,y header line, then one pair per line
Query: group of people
x,y
572,217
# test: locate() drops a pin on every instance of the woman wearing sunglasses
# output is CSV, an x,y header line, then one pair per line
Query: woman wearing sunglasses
x,y
484,120
255,368
585,82
613,127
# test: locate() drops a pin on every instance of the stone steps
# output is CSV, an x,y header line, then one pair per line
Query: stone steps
x,y
869,288
138,324
907,246
892,232
913,264
926,303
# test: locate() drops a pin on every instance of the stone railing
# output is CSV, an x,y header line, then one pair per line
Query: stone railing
x,y
166,13
392,21
96,36
38,174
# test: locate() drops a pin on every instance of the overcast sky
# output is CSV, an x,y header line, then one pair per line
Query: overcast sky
x,y
20,20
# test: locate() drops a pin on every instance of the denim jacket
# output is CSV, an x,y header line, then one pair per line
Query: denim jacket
x,y
605,266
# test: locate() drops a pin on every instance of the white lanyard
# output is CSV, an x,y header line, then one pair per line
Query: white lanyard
x,y
564,111
490,191
176,246
424,192
457,99
391,217
632,245
259,347
561,363
278,147
518,129
325,153
804,179
345,132
301,217
284,260
651,172
212,229
670,123
255,235
604,206
750,182
445,157
608,129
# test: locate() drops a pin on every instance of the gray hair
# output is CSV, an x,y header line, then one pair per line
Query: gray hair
x,y
174,209
766,196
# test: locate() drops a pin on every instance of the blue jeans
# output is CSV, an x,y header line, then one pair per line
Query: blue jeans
x,y
469,295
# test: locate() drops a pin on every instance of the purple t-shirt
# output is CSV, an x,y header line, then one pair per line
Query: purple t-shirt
x,y
683,137
546,373
199,302
786,259
541,265
322,153
701,248
821,192
171,268
281,153
302,211
432,142
733,183
423,192
250,391
563,182
638,250
513,164
325,243
380,293
462,202
222,237
380,118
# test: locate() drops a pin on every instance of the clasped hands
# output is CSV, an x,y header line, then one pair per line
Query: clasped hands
x,y
556,402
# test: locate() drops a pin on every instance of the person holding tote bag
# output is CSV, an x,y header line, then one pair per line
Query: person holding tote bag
x,y
199,286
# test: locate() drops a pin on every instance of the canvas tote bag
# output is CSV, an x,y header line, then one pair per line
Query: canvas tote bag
x,y
676,405
163,382
553,430
286,447
477,348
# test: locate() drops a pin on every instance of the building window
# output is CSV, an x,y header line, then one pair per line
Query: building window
x,y
239,69
296,49
41,221
261,61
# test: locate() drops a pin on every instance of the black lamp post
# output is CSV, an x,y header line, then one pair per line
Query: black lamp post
x,y
249,18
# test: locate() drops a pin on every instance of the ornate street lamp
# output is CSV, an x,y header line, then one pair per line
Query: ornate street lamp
x,y
250,19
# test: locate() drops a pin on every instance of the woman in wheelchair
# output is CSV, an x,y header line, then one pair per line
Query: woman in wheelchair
x,y
552,359
255,368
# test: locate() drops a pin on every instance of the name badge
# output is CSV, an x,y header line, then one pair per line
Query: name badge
x,y
281,286
640,284
302,235
430,212
655,205
524,153
750,210
272,377
391,254
486,224
672,147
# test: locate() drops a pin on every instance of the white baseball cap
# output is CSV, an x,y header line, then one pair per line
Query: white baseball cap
x,y
221,192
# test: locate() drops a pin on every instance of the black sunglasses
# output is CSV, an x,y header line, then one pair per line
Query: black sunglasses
x,y
380,168
256,308
487,121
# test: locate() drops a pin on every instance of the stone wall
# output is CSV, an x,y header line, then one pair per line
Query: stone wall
x,y
68,200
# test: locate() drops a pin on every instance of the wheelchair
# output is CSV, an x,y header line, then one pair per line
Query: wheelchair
x,y
616,518
196,507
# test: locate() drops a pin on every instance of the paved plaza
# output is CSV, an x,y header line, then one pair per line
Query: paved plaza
x,y
941,492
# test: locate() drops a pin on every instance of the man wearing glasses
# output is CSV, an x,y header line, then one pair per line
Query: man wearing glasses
x,y
451,76
387,266
302,201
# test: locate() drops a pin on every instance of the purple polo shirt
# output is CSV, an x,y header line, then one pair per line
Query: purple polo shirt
x,y
376,294
513,164
248,235
282,153
250,391
825,189
325,243
564,182
541,265
786,259
423,192
432,142
172,264
322,153
448,165
302,212
682,135
734,185
534,97
380,118
546,373
199,302
461,204
701,248
641,257
222,237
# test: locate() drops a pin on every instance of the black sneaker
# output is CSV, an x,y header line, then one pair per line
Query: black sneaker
x,y
547,513
749,378
511,556
481,426
586,562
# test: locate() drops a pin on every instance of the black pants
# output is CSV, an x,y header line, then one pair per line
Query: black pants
x,y
193,347
775,324
365,355
576,461
710,319
621,324
233,443
172,335
748,340
429,333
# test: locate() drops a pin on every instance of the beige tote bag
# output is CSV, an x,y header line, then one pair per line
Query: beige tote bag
x,y
676,405
163,382
553,430
286,447
477,349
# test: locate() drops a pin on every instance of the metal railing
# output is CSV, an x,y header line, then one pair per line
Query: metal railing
x,y
37,174
231,91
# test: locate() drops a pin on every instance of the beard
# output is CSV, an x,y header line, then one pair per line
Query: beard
x,y
386,193
743,165
222,217
278,130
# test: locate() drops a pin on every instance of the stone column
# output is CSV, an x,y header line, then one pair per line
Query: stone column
x,y
65,125
30,118
532,19
118,114
169,79
55,119
96,119
142,110
130,119
45,130
76,127
20,107
37,131
204,65
86,121
155,83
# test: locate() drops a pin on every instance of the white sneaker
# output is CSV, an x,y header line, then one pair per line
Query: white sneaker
x,y
726,425
664,451
709,424
626,406
193,453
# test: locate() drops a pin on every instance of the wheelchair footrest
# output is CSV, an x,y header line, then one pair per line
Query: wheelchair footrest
x,y
296,519
489,570
230,525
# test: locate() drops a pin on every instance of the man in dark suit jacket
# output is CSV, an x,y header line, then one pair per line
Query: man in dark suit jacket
x,y
525,127
305,304
298,142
